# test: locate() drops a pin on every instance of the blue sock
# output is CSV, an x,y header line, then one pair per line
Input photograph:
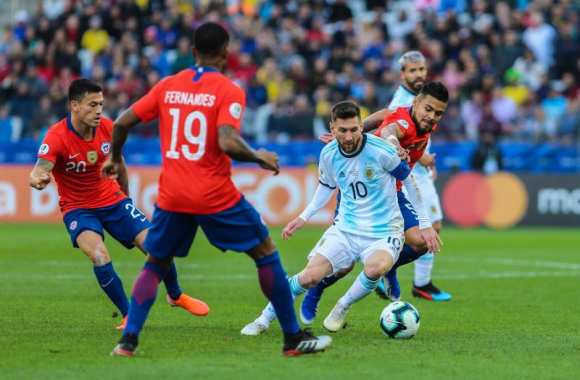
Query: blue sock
x,y
317,290
276,288
143,297
112,286
171,283
408,255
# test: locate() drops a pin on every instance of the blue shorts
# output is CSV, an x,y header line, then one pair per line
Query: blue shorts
x,y
409,214
239,228
123,221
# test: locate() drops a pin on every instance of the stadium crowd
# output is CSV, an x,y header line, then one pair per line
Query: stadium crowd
x,y
512,67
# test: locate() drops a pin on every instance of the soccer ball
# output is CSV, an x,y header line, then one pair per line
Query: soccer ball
x,y
399,320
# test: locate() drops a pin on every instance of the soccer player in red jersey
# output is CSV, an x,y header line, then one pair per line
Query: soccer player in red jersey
x,y
73,151
200,112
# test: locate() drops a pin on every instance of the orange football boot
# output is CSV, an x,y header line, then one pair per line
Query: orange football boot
x,y
190,304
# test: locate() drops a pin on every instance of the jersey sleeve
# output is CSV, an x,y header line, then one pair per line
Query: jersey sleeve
x,y
325,176
51,147
232,107
147,107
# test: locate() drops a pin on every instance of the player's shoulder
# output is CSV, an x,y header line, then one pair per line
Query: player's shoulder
x,y
329,149
378,145
401,117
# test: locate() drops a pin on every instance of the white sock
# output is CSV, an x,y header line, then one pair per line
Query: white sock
x,y
361,287
423,269
269,314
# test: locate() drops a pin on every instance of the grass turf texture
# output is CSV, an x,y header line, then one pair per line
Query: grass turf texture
x,y
514,314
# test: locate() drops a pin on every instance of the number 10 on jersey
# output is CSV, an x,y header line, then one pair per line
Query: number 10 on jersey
x,y
191,139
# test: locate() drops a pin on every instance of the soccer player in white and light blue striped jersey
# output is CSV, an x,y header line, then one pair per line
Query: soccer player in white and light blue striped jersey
x,y
368,226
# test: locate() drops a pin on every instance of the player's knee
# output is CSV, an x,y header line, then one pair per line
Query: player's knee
x,y
309,279
378,266
99,255
265,248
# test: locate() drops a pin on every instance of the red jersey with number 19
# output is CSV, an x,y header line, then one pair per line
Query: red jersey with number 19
x,y
77,166
196,173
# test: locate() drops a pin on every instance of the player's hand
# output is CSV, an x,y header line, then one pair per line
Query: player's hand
x,y
434,172
268,160
111,168
326,137
292,227
432,239
403,154
428,160
39,180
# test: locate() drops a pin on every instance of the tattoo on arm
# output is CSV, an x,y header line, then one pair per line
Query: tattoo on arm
x,y
235,146
44,165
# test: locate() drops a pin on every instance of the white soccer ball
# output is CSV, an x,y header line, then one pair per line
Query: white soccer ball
x,y
400,320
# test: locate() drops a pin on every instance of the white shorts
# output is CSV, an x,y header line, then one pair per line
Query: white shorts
x,y
430,197
343,249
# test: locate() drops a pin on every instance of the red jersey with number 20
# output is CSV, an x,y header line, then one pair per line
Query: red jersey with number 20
x,y
77,166
411,140
196,173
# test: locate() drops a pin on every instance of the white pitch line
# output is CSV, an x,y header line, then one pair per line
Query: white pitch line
x,y
15,276
515,262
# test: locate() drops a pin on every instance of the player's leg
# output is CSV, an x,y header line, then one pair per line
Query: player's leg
x,y
309,305
170,235
317,268
175,296
377,259
240,229
330,255
413,248
86,233
423,286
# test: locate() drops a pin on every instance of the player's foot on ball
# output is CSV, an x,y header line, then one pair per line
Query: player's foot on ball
x,y
255,328
122,325
336,320
431,292
190,304
126,346
304,343
309,307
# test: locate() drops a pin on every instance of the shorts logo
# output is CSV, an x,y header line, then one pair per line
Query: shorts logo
x,y
106,148
92,157
44,148
73,225
403,123
236,110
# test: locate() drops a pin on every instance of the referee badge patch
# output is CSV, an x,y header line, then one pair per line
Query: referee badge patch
x,y
92,157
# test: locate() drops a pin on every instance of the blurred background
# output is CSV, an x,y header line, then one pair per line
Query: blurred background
x,y
512,68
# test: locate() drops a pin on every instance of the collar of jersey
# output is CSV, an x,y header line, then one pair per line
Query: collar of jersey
x,y
409,91
69,125
351,155
200,70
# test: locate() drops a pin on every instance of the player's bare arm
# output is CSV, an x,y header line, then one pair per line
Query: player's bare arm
x,y
372,122
114,164
123,178
237,148
427,159
40,174
391,133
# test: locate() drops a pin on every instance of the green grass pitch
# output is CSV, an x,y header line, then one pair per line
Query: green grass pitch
x,y
515,314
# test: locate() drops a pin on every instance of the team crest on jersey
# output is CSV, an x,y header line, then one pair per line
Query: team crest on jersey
x,y
403,123
369,173
92,157
236,110
44,148
106,148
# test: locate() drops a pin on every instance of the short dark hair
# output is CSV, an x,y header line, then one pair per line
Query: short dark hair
x,y
344,110
80,87
436,90
210,38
